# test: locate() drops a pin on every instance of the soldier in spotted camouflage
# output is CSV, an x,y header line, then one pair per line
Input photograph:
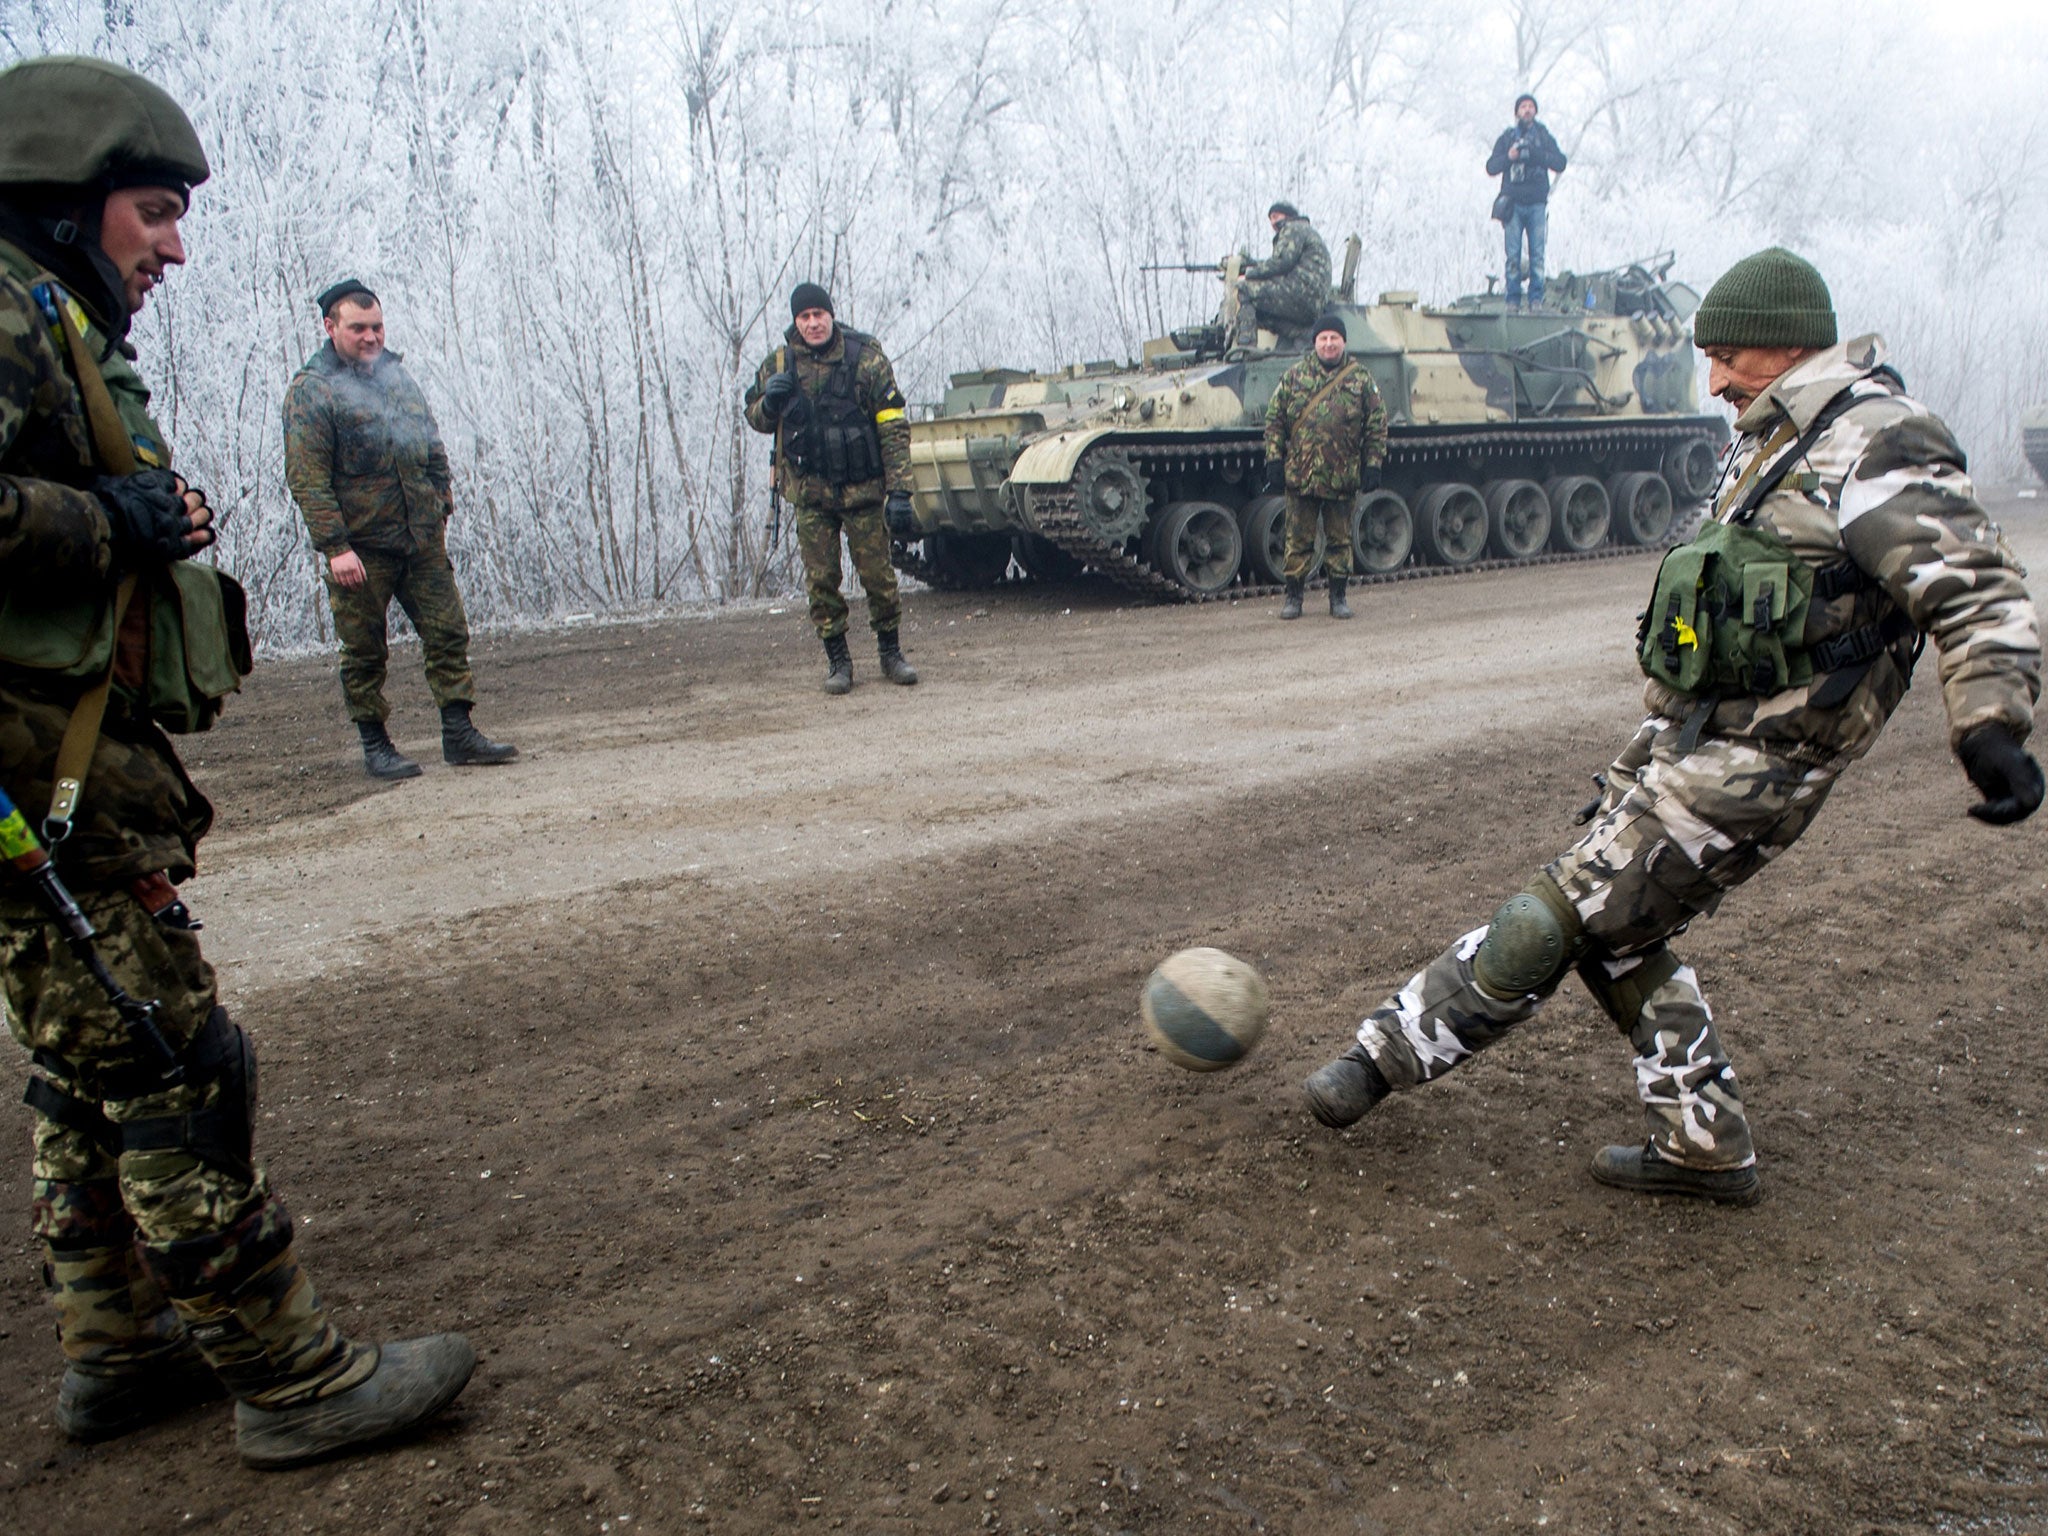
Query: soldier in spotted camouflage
x,y
1326,438
365,463
1844,533
1291,286
842,456
171,1265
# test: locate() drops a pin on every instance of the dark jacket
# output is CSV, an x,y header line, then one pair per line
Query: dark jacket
x,y
1526,180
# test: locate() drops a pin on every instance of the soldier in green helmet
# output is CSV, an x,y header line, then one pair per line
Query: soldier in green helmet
x,y
170,1263
1844,533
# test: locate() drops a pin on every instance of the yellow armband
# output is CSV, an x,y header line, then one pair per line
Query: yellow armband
x,y
883,418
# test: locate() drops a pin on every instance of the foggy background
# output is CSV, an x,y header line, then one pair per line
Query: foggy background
x,y
585,220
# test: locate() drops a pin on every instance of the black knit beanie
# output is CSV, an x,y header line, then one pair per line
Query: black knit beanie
x,y
1285,210
1331,321
1771,299
1525,96
809,296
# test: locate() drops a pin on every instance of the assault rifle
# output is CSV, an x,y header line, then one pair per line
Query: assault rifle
x,y
19,847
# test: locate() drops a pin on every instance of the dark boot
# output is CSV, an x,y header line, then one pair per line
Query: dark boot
x,y
128,1361
839,672
1291,607
464,746
304,1389
894,667
1642,1171
1339,609
413,1380
1341,1093
380,757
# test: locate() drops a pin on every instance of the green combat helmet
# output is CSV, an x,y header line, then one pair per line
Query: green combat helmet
x,y
71,121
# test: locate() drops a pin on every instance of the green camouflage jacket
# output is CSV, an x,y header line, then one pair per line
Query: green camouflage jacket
x,y
1323,446
139,812
363,457
1885,486
875,387
1298,268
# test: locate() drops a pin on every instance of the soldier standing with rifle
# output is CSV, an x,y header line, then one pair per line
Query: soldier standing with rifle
x,y
828,396
1326,438
1777,643
171,1265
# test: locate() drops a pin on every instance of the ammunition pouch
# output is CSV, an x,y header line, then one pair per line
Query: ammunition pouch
x,y
1728,615
828,435
221,1136
198,641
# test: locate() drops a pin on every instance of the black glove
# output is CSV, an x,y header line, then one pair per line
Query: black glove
x,y
1276,477
777,393
147,515
2004,772
897,513
1369,477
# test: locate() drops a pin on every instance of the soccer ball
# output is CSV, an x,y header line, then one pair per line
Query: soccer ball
x,y
1204,1008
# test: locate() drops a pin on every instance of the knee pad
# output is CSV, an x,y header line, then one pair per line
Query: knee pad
x,y
1530,943
222,1135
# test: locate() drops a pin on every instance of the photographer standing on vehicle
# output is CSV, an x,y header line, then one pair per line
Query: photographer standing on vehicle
x,y
1525,157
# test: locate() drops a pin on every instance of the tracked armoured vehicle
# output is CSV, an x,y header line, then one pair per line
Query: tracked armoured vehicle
x,y
1564,433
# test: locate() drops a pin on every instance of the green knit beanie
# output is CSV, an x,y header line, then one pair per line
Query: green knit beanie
x,y
1771,299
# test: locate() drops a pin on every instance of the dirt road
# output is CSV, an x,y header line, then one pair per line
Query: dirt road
x,y
755,1076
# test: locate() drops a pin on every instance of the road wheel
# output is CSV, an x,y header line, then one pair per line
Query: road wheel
x,y
1382,532
1580,513
1520,515
1691,465
1197,545
1450,523
1642,506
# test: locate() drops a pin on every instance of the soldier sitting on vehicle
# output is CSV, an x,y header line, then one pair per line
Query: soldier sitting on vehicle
x,y
1290,287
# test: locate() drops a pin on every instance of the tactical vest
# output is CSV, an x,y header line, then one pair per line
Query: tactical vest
x,y
1727,615
829,436
180,630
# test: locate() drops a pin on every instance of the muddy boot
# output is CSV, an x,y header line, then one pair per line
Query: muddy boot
x,y
1341,1093
464,746
839,665
128,1361
1641,1171
413,1379
380,757
894,667
1290,608
1339,609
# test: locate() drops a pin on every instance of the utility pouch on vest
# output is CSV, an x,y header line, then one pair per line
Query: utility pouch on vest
x,y
1727,613
198,645
829,435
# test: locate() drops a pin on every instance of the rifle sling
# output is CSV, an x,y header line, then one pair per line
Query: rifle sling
x,y
114,452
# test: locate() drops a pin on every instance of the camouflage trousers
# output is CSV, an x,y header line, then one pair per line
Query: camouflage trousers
x,y
424,584
867,538
1308,515
1277,303
129,1234
1677,831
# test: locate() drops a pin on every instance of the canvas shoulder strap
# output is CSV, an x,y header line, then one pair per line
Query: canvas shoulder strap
x,y
1316,399
115,455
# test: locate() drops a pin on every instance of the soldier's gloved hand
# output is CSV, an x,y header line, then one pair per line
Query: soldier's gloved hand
x,y
897,513
1369,477
2004,772
1276,477
152,518
777,393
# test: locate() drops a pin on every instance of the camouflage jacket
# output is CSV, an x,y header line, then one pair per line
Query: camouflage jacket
x,y
1299,255
874,385
139,812
1323,445
363,457
1885,486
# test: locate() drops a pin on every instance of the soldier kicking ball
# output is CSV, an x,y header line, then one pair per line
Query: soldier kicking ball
x,y
1844,533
